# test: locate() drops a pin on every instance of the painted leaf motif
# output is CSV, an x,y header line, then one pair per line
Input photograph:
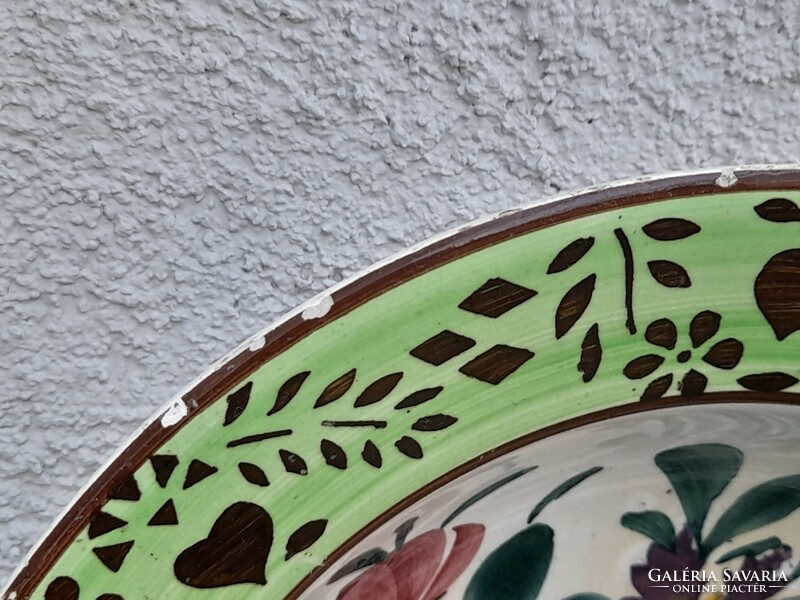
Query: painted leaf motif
x,y
767,382
254,474
777,292
778,210
378,390
516,569
416,564
667,230
305,536
703,327
573,305
657,388
419,397
237,403
591,354
467,543
336,389
669,274
333,454
561,490
410,447
725,354
571,254
752,549
662,333
759,506
698,474
288,391
371,454
434,423
485,492
642,366
693,384
362,561
403,531
293,463
654,524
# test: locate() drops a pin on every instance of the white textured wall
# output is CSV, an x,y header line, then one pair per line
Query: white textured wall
x,y
176,174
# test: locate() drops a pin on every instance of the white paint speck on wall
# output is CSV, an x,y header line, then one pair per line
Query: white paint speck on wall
x,y
174,175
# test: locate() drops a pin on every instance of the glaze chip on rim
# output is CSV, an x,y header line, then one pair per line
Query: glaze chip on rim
x,y
638,296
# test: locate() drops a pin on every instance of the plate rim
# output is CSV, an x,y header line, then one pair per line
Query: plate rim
x,y
348,295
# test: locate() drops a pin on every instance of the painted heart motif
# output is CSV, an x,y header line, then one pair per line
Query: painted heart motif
x,y
235,550
777,292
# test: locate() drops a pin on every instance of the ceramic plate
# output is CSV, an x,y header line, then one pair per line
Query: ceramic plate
x,y
592,398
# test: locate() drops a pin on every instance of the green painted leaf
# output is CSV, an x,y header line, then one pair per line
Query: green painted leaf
x,y
752,549
654,524
516,569
698,474
485,492
587,596
561,490
759,506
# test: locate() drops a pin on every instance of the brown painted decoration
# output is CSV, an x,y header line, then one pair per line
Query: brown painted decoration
x,y
103,523
254,474
573,305
496,297
63,588
336,389
288,391
571,254
777,291
127,490
378,390
113,556
779,210
198,471
419,397
234,552
371,454
165,515
671,229
591,354
237,402
466,421
304,538
669,274
293,463
497,363
442,347
164,465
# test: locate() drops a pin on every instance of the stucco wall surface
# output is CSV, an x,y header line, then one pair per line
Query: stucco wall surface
x,y
174,175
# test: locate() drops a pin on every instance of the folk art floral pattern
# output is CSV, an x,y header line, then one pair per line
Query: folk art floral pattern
x,y
682,300
517,568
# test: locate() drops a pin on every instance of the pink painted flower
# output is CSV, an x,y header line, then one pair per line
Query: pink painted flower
x,y
419,570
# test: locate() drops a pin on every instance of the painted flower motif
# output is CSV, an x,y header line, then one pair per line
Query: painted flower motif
x,y
684,556
419,570
663,333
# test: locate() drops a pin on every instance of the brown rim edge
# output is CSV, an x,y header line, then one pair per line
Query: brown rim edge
x,y
358,292
744,397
